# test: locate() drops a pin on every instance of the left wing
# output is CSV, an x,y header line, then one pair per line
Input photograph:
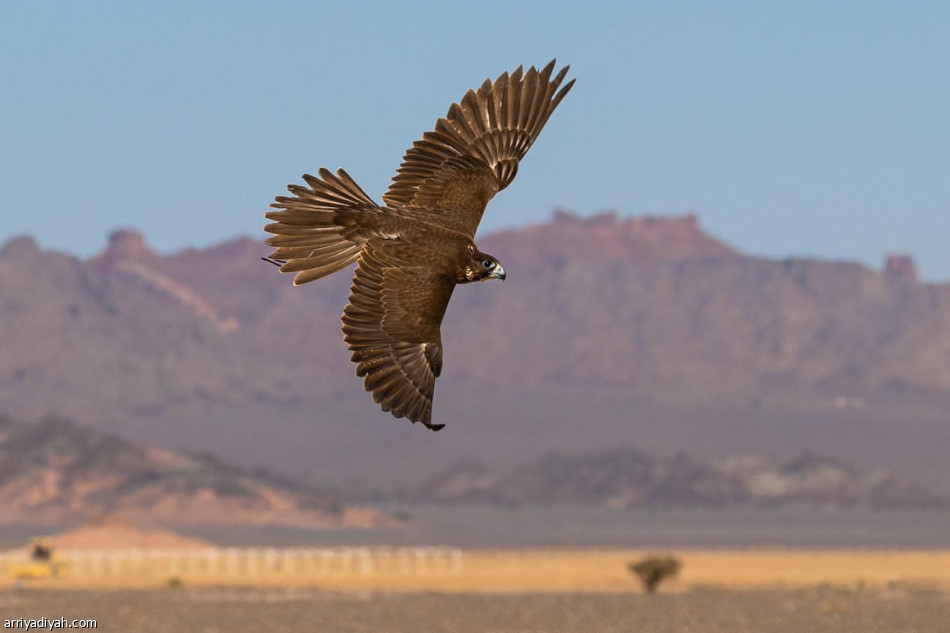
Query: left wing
x,y
474,151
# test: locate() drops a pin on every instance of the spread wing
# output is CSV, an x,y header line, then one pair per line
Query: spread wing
x,y
474,151
392,325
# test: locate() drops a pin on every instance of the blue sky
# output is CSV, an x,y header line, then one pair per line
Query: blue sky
x,y
791,128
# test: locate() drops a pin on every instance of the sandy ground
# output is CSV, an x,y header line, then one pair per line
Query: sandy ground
x,y
894,609
497,571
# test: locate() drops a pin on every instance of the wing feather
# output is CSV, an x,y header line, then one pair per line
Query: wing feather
x,y
474,151
392,325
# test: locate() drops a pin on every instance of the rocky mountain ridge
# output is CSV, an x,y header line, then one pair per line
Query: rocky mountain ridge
x,y
55,472
627,478
608,331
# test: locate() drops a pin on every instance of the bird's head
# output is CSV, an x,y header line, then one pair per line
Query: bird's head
x,y
483,267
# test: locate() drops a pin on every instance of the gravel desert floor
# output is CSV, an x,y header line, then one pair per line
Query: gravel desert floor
x,y
896,609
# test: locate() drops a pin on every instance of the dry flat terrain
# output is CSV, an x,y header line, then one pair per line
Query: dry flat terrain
x,y
819,610
499,571
605,570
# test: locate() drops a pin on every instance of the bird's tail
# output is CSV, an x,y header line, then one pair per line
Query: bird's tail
x,y
317,230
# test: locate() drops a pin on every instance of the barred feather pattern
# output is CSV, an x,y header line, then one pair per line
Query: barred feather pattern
x,y
392,326
321,228
474,151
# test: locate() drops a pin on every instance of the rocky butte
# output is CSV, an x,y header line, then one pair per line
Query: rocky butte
x,y
609,331
608,237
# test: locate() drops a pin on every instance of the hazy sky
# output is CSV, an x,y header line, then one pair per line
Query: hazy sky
x,y
792,128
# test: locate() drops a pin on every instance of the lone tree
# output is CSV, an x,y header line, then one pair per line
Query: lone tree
x,y
653,570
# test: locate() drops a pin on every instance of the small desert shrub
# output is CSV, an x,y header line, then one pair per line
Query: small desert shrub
x,y
174,582
653,570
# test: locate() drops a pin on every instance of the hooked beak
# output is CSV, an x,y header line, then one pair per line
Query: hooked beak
x,y
498,273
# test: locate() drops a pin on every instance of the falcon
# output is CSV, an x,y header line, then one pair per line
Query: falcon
x,y
413,250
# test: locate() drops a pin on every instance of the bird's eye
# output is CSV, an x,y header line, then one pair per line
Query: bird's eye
x,y
488,264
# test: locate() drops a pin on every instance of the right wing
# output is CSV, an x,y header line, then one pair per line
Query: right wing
x,y
392,325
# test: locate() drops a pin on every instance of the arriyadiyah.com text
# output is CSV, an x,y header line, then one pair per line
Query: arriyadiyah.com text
x,y
48,624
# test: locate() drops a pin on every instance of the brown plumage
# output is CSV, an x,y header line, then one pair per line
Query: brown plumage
x,y
415,249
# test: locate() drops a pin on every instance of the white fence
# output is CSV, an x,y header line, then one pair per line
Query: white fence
x,y
245,562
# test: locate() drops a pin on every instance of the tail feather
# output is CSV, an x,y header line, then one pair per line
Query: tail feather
x,y
315,233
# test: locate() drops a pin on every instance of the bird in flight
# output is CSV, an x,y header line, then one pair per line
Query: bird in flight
x,y
413,250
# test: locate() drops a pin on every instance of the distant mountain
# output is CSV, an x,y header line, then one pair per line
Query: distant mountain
x,y
55,472
608,331
625,478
